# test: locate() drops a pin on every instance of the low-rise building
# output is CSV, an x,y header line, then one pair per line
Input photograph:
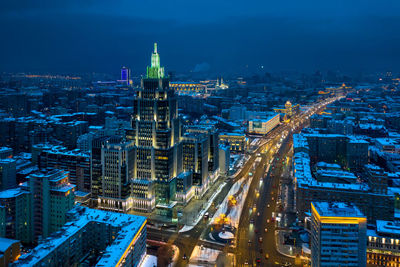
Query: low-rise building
x,y
264,126
10,250
236,141
383,244
188,88
308,189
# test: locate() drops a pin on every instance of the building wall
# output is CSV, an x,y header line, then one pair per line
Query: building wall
x,y
16,216
264,126
383,207
337,242
237,143
7,174
224,160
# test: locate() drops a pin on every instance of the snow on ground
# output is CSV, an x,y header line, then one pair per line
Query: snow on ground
x,y
186,228
203,211
202,254
306,248
226,235
176,254
223,207
236,211
239,162
149,261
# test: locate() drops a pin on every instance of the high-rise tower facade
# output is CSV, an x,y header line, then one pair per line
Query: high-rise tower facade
x,y
156,133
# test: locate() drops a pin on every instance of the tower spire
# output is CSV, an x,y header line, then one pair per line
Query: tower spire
x,y
155,71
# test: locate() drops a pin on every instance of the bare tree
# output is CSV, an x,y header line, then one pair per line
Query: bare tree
x,y
164,255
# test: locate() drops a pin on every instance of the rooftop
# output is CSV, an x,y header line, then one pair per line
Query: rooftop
x,y
387,227
5,243
82,217
5,149
337,209
12,193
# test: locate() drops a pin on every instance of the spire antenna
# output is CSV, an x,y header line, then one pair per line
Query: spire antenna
x,y
155,48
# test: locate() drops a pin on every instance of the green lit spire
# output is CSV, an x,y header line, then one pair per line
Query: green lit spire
x,y
155,71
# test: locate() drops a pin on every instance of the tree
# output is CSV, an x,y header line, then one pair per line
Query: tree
x,y
164,255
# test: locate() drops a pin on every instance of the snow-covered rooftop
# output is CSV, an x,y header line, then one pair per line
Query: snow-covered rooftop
x,y
82,217
337,209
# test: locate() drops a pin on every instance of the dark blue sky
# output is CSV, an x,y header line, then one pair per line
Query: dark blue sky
x,y
102,35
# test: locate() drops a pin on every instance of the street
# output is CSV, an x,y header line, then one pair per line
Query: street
x,y
255,238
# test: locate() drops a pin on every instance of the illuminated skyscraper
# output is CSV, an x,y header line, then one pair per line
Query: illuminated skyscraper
x,y
125,75
156,133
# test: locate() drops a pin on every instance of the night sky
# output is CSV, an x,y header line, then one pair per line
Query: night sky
x,y
207,35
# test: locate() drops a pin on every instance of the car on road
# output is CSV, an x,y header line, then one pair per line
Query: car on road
x,y
258,260
249,242
184,257
266,230
266,256
268,205
252,221
258,214
260,239
267,220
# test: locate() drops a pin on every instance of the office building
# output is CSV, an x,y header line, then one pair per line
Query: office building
x,y
117,162
195,155
338,235
156,134
52,196
92,238
212,143
125,75
185,190
224,159
96,170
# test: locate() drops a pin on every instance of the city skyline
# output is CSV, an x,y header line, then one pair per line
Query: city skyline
x,y
270,138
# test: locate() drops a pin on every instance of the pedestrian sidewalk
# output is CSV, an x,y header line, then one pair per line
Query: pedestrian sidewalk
x,y
195,212
287,250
